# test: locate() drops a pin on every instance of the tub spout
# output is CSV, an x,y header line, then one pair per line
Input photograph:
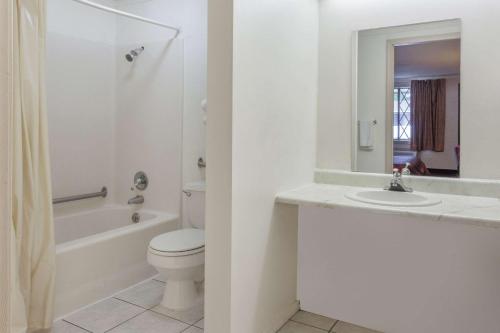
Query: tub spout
x,y
138,199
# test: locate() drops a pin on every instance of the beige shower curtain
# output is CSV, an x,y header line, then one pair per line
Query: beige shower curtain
x,y
33,249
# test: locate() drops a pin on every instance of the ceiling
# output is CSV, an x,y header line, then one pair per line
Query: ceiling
x,y
429,59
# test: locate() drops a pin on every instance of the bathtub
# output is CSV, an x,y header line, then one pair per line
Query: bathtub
x,y
100,252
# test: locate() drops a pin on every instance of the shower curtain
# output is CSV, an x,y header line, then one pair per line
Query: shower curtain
x,y
33,249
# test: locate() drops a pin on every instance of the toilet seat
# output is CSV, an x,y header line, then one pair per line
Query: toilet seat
x,y
181,242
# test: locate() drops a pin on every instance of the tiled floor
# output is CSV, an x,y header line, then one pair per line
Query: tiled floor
x,y
137,310
134,310
306,322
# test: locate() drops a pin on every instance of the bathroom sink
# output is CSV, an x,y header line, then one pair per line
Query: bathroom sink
x,y
391,198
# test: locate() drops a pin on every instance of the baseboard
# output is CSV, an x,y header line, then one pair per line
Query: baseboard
x,y
282,317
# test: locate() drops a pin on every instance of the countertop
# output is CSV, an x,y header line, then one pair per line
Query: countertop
x,y
463,209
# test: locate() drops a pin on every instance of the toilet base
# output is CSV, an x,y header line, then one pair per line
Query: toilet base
x,y
181,295
183,274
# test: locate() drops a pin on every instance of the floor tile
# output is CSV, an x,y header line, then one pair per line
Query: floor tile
x,y
295,327
315,320
343,327
146,295
150,322
189,316
104,315
200,324
193,329
61,326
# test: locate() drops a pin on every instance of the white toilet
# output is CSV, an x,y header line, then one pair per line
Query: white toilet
x,y
179,256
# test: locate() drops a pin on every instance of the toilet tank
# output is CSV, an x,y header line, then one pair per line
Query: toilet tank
x,y
193,205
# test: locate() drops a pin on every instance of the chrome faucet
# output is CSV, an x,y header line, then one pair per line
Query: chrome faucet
x,y
397,184
138,199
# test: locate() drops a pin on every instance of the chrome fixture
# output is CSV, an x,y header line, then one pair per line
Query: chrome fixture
x,y
138,199
134,54
136,217
201,163
141,181
187,193
397,184
406,170
102,193
131,16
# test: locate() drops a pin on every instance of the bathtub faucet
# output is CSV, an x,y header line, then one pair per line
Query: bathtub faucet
x,y
138,199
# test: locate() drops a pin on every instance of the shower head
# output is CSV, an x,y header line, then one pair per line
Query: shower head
x,y
134,53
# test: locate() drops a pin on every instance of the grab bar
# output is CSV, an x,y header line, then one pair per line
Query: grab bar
x,y
103,193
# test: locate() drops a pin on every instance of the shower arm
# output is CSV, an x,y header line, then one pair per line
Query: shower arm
x,y
131,16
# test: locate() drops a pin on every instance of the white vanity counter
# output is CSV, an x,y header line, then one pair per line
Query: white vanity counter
x,y
472,210
399,269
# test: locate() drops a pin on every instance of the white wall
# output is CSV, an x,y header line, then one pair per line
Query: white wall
x,y
480,73
261,133
219,168
80,97
274,119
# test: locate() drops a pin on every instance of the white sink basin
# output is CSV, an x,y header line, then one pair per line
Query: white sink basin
x,y
391,198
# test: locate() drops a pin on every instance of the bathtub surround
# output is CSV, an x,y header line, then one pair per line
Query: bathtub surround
x,y
123,103
479,74
81,98
32,229
192,16
149,104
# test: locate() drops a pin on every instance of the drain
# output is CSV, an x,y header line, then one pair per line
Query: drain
x,y
136,217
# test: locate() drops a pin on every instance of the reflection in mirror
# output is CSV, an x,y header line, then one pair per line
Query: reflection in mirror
x,y
407,109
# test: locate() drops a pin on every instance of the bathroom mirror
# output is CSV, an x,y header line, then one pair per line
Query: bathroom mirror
x,y
406,99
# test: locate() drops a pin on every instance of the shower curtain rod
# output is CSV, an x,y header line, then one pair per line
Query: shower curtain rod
x,y
131,16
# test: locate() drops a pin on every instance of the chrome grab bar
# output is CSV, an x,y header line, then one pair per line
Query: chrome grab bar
x,y
103,193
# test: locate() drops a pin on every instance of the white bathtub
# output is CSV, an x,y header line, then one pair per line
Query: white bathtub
x,y
101,252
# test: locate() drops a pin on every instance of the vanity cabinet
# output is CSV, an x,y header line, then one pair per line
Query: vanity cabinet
x,y
398,273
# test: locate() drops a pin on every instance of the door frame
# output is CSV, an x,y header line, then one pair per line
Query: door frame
x,y
391,45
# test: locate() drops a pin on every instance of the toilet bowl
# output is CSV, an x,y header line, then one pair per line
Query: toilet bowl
x,y
179,256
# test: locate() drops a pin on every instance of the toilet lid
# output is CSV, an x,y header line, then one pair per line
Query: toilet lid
x,y
179,241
